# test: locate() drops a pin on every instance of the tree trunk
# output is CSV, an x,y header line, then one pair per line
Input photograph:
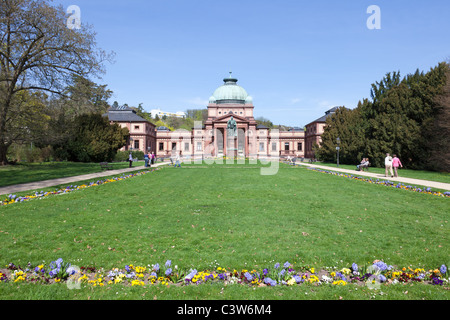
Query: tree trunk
x,y
3,152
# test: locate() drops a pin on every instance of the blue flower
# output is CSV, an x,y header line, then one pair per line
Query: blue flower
x,y
443,269
168,263
270,282
286,264
340,275
381,265
168,272
354,267
248,276
277,265
156,267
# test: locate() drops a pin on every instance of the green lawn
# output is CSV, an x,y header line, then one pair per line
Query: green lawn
x,y
230,216
31,172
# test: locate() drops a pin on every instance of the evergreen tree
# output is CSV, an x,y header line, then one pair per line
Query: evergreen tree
x,y
93,139
401,118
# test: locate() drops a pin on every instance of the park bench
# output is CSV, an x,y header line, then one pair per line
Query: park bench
x,y
105,165
362,167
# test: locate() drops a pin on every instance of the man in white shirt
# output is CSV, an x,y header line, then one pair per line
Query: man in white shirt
x,y
388,165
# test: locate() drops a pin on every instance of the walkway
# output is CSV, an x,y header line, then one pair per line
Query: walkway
x,y
70,180
407,181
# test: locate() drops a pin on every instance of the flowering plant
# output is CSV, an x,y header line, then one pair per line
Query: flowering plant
x,y
375,274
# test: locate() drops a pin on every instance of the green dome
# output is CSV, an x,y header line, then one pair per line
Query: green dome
x,y
229,92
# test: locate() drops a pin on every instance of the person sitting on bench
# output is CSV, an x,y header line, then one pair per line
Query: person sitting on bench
x,y
364,164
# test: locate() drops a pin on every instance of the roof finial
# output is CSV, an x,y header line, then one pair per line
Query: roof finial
x,y
231,73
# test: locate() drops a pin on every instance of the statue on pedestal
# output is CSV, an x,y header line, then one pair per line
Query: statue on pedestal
x,y
231,128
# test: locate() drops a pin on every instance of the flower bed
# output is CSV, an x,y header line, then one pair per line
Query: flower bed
x,y
374,275
10,199
384,182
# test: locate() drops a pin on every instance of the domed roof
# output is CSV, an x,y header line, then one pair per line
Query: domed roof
x,y
229,92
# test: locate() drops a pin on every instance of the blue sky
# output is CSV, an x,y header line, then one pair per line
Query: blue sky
x,y
296,58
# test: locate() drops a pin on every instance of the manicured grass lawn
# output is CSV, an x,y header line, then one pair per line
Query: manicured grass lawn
x,y
31,172
230,216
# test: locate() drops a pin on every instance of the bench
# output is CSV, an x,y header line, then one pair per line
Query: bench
x,y
362,167
105,165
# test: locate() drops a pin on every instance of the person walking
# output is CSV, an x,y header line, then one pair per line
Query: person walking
x,y
130,159
388,165
178,160
153,157
395,164
146,158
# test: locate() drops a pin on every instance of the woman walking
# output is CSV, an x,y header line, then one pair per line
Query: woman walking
x,y
395,163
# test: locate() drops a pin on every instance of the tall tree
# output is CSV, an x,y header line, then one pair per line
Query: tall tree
x,y
39,52
92,139
408,117
438,132
346,125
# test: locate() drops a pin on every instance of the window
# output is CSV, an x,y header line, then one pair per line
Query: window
x,y
199,146
299,146
136,144
261,146
174,146
274,146
136,127
161,146
186,146
286,146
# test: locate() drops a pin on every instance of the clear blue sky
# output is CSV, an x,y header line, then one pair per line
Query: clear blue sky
x,y
295,58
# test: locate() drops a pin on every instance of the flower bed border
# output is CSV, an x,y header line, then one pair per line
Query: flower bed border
x,y
11,198
374,275
384,183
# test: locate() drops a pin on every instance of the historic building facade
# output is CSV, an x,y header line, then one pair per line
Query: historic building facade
x,y
314,131
230,103
142,132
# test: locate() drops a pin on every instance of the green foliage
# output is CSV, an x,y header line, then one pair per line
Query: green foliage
x,y
344,124
265,122
93,139
399,119
41,54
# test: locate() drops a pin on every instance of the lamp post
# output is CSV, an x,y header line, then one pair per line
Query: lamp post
x,y
337,149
